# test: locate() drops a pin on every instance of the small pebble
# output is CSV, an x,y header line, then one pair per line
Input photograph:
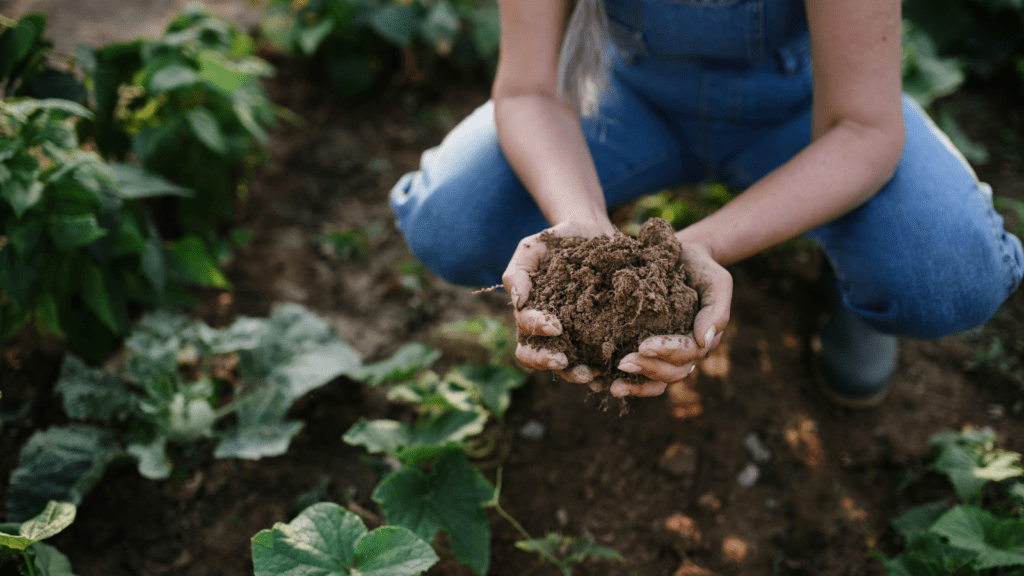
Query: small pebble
x,y
756,448
532,430
748,476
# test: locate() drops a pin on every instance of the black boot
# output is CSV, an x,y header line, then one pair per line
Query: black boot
x,y
854,363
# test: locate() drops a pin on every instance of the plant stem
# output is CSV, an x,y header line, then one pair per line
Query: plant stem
x,y
29,563
497,506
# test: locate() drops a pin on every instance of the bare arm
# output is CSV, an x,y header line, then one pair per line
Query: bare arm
x,y
538,129
857,138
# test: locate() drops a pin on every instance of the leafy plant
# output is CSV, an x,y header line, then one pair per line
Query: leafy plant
x,y
983,533
352,242
328,540
181,379
189,104
25,69
76,247
25,540
357,38
429,484
565,551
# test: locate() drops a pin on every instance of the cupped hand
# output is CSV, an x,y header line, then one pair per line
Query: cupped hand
x,y
516,279
667,359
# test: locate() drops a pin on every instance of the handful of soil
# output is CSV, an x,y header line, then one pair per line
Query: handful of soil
x,y
610,293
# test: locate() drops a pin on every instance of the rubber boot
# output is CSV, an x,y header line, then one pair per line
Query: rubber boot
x,y
854,362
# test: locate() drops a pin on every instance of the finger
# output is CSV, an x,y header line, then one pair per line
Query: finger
x,y
537,323
540,358
676,349
516,278
715,301
621,388
580,374
655,368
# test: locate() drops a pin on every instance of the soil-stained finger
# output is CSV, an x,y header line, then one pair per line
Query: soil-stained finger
x,y
621,388
675,349
655,368
578,375
537,323
540,358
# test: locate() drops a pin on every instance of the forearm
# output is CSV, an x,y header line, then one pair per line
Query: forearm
x,y
838,172
541,138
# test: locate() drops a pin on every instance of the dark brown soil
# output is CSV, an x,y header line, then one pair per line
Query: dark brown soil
x,y
610,293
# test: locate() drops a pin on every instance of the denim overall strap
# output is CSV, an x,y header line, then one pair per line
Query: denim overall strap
x,y
629,39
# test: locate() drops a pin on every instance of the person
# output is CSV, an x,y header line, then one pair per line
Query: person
x,y
798,104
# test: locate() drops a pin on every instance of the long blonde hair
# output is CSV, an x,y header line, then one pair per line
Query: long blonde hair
x,y
582,62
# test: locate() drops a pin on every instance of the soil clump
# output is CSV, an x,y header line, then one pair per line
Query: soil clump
x,y
612,292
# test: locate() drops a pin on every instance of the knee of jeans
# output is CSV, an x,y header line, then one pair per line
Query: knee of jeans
x,y
453,248
929,308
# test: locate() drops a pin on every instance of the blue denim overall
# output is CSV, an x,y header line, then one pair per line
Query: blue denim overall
x,y
721,90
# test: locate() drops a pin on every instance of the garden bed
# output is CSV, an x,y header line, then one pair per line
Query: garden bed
x,y
676,486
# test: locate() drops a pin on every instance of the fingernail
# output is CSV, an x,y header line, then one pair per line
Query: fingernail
x,y
692,367
709,336
629,367
549,330
515,298
556,364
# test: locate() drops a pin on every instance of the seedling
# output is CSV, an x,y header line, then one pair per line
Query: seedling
x,y
25,540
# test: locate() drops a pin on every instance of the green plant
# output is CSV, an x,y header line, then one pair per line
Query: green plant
x,y
189,104
352,242
328,540
982,535
429,484
181,381
77,249
25,69
24,539
357,38
565,551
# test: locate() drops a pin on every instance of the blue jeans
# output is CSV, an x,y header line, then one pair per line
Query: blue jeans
x,y
925,257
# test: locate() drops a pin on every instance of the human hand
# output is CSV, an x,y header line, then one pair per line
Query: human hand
x,y
516,279
666,359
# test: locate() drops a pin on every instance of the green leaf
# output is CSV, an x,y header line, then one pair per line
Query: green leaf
x,y
396,23
327,540
310,37
22,195
15,45
153,462
970,461
916,521
137,182
172,77
255,442
310,370
451,499
205,127
405,442
70,233
975,152
29,106
998,542
494,384
91,393
96,296
403,364
15,542
196,264
49,561
63,464
565,551
440,27
51,521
